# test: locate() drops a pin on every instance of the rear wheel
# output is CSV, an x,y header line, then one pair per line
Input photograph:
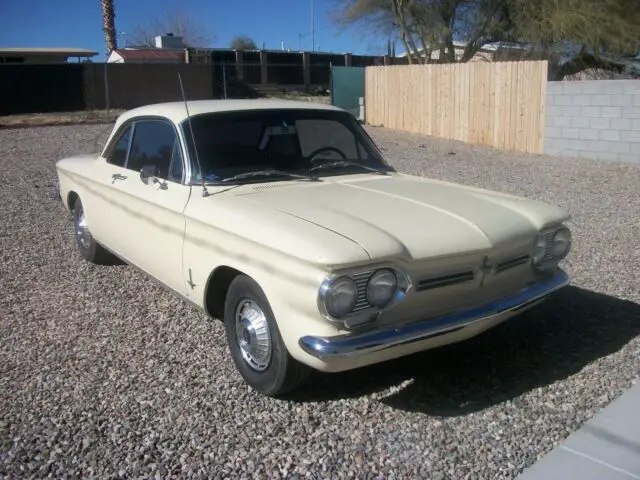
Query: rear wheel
x,y
255,343
89,249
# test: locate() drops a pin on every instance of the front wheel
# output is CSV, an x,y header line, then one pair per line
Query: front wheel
x,y
255,343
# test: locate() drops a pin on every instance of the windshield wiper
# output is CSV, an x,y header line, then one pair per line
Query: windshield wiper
x,y
346,163
266,173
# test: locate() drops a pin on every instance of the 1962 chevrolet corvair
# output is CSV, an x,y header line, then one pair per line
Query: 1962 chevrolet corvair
x,y
284,220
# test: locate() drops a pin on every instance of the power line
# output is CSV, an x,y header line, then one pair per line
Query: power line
x,y
302,36
324,27
313,28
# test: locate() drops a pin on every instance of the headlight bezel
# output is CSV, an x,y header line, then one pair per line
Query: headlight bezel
x,y
568,240
362,277
341,280
543,255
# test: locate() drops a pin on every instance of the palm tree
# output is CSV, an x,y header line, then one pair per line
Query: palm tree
x,y
108,25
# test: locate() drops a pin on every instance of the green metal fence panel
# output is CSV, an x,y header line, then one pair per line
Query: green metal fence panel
x,y
347,87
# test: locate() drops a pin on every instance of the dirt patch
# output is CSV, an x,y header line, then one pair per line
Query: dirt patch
x,y
83,117
89,117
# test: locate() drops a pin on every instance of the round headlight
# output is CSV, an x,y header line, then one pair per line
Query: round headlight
x,y
381,288
539,249
340,297
561,243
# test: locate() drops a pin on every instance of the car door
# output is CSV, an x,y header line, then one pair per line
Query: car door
x,y
151,230
103,203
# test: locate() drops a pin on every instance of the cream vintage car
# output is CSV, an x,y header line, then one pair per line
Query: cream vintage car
x,y
284,220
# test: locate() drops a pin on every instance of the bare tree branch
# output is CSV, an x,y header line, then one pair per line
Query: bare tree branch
x,y
194,32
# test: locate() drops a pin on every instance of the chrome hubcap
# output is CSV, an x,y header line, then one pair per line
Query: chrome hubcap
x,y
253,335
82,230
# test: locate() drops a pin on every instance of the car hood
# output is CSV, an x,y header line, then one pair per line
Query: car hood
x,y
412,217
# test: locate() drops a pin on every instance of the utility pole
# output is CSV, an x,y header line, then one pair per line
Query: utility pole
x,y
313,29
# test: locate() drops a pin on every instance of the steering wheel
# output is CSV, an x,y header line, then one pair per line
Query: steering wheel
x,y
315,153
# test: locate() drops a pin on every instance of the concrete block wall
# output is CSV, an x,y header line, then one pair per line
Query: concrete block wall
x,y
597,119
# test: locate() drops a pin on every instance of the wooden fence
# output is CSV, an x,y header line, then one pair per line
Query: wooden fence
x,y
499,104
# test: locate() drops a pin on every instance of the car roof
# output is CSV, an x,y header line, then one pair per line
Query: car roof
x,y
176,112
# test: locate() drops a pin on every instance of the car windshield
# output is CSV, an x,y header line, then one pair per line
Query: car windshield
x,y
266,145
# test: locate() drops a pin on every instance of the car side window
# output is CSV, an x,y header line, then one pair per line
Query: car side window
x,y
118,155
154,143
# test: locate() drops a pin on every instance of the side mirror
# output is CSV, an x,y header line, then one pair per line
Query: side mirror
x,y
147,173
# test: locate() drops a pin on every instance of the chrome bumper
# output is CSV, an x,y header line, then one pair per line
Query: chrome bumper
x,y
355,344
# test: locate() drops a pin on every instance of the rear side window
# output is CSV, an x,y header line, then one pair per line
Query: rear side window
x,y
154,143
118,155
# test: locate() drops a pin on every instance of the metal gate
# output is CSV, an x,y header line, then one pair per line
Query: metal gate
x,y
347,89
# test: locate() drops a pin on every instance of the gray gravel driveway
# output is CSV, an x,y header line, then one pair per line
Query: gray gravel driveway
x,y
105,375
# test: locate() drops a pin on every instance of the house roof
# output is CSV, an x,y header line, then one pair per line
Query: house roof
x,y
147,54
487,47
70,52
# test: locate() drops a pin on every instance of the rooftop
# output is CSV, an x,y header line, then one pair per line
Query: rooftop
x,y
147,54
275,50
175,111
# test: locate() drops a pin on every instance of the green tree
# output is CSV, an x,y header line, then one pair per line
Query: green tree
x,y
243,42
573,35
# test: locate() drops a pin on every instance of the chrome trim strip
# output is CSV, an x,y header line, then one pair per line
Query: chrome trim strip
x,y
512,263
445,280
349,345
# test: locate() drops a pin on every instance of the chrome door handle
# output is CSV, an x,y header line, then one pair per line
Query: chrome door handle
x,y
117,176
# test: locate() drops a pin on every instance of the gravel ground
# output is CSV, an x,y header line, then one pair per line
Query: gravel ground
x,y
105,375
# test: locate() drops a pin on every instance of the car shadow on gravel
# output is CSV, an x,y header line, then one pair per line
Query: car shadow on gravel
x,y
552,341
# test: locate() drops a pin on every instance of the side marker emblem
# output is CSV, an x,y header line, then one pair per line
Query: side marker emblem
x,y
486,269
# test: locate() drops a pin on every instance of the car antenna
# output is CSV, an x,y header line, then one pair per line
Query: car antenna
x,y
205,192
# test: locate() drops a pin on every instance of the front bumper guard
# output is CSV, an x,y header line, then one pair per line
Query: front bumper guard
x,y
349,345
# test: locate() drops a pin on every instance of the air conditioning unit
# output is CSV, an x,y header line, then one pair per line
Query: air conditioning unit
x,y
169,42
